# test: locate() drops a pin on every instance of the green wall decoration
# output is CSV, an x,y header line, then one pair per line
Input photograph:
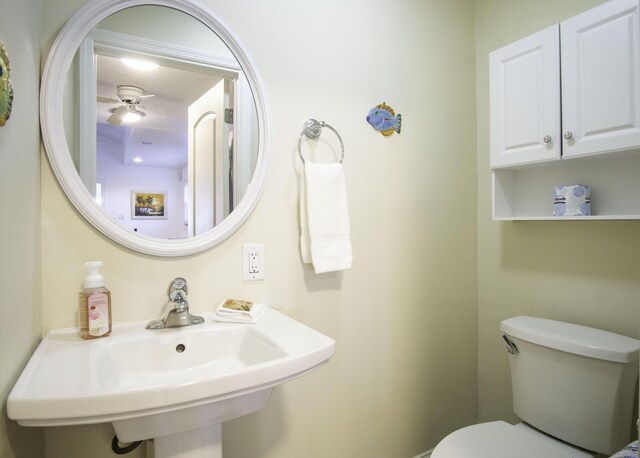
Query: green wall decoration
x,y
6,90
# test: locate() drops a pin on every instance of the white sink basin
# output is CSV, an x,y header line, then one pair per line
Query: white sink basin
x,y
154,383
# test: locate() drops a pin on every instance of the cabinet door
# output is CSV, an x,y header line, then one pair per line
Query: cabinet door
x,y
524,80
601,79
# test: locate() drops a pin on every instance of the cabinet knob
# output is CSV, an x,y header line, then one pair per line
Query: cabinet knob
x,y
547,139
568,134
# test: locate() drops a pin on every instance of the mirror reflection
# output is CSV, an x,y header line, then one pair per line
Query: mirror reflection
x,y
160,122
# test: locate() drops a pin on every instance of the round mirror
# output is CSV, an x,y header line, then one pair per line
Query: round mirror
x,y
155,124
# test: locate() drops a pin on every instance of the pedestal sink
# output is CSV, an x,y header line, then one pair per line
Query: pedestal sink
x,y
174,385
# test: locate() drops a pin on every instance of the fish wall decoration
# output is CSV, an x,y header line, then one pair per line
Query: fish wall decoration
x,y
6,90
383,119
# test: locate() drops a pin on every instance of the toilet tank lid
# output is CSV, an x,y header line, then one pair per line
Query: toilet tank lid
x,y
573,338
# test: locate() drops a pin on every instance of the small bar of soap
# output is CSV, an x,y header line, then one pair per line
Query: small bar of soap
x,y
234,304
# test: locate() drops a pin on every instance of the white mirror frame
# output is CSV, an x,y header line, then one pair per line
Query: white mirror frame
x,y
53,133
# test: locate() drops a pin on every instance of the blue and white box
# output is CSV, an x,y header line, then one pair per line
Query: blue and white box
x,y
572,200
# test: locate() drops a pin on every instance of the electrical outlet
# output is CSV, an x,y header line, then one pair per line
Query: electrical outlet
x,y
253,261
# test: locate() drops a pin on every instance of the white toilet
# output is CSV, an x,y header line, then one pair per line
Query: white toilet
x,y
573,387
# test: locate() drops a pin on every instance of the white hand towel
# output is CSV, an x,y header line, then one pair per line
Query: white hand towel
x,y
305,238
251,316
324,218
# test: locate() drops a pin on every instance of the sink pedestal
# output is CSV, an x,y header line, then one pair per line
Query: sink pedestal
x,y
176,425
192,432
205,442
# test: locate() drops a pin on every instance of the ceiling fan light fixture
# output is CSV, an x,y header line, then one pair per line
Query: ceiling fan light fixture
x,y
132,116
139,64
124,115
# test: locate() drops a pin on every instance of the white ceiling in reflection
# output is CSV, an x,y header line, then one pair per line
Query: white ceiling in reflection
x,y
160,137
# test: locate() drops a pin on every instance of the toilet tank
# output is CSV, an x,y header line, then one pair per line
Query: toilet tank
x,y
575,383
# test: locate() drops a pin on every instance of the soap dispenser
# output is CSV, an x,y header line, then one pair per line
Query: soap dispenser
x,y
94,304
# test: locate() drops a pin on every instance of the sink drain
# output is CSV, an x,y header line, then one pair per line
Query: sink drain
x,y
180,348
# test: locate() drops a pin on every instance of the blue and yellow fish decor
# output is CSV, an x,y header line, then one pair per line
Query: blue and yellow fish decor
x,y
384,120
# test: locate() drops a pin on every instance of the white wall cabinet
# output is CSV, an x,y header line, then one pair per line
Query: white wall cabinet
x,y
525,100
601,79
559,96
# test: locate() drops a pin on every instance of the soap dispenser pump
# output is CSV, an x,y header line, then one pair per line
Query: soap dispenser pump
x,y
94,304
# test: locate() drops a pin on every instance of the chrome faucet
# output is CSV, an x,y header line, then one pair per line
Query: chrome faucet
x,y
178,314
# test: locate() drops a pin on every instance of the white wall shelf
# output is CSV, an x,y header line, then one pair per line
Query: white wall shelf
x,y
527,193
569,218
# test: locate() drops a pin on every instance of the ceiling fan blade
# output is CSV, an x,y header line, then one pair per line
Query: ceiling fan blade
x,y
104,99
157,111
162,113
118,115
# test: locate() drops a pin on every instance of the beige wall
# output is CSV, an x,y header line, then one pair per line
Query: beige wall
x,y
405,317
583,272
20,312
408,316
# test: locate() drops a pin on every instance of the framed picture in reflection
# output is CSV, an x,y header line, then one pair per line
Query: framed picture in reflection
x,y
148,205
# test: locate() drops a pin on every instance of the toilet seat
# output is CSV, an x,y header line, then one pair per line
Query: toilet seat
x,y
498,439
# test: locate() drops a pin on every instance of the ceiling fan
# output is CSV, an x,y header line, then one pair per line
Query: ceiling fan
x,y
129,98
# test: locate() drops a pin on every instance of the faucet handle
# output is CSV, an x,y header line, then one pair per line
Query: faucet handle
x,y
178,288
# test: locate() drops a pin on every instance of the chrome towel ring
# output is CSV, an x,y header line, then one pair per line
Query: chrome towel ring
x,y
312,130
